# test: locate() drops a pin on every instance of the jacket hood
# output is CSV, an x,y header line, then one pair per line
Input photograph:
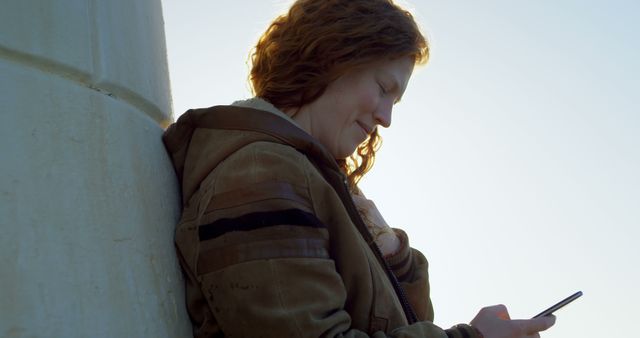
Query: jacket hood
x,y
203,138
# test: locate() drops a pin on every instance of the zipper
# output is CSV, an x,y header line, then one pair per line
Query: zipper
x,y
362,228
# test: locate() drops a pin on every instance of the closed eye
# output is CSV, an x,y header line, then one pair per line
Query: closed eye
x,y
382,90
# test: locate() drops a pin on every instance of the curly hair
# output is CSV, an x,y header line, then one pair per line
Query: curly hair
x,y
318,41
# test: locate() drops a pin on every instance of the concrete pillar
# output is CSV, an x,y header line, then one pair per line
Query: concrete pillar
x,y
88,198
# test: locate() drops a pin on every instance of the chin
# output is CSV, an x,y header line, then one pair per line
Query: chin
x,y
346,151
342,154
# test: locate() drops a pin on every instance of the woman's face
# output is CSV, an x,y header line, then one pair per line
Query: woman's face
x,y
355,104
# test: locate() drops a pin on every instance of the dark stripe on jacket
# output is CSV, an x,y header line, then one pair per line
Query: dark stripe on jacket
x,y
258,220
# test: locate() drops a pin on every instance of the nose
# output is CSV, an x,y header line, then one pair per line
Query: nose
x,y
382,116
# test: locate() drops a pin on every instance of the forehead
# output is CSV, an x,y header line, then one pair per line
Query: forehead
x,y
393,72
400,68
396,70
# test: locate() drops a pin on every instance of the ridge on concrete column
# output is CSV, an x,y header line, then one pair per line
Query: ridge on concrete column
x,y
84,79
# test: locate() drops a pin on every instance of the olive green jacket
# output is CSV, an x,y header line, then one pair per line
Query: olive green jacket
x,y
271,244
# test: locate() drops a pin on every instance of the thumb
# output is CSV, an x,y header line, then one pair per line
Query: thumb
x,y
540,324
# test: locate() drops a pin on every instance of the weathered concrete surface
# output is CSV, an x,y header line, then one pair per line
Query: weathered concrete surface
x,y
88,198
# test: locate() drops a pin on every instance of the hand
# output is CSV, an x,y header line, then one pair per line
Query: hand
x,y
494,322
383,235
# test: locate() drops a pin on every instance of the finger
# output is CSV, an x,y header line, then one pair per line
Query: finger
x,y
502,312
545,322
359,202
532,326
358,198
362,201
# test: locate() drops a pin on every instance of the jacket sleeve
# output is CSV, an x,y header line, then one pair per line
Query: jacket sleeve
x,y
412,270
262,263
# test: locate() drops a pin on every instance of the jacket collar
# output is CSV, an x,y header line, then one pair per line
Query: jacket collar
x,y
274,125
264,105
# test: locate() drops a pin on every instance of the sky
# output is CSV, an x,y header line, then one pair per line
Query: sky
x,y
512,161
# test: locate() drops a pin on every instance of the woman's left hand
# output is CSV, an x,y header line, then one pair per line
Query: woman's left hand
x,y
383,235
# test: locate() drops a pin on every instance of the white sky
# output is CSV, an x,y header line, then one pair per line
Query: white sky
x,y
513,160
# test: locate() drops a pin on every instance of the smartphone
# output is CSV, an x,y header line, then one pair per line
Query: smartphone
x,y
559,305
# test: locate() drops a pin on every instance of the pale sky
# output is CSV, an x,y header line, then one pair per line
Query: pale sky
x,y
512,161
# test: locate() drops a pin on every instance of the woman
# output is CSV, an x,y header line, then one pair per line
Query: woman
x,y
276,239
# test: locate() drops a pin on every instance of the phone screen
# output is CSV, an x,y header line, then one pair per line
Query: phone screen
x,y
559,305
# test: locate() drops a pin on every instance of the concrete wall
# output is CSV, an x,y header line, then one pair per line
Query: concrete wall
x,y
88,198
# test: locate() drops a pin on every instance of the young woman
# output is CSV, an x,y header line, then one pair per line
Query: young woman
x,y
276,239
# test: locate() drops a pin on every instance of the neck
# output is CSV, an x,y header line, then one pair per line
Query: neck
x,y
302,118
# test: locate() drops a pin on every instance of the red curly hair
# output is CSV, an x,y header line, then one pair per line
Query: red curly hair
x,y
318,41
